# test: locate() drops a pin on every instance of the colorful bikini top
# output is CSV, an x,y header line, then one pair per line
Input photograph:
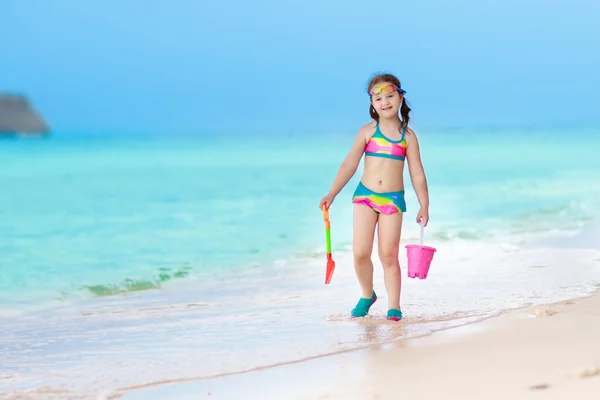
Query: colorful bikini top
x,y
381,146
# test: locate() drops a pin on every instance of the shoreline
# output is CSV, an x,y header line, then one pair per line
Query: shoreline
x,y
515,354
577,239
566,275
315,357
337,363
519,344
424,338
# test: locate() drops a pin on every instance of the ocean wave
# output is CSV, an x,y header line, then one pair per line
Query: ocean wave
x,y
163,276
578,210
569,216
450,233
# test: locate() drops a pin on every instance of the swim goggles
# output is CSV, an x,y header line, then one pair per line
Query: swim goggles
x,y
390,88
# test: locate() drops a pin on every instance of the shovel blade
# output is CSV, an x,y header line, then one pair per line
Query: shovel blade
x,y
329,271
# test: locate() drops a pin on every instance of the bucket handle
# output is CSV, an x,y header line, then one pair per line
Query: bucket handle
x,y
422,233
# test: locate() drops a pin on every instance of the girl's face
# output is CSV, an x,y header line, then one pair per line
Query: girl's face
x,y
386,99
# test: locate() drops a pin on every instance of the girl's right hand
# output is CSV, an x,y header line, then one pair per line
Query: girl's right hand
x,y
326,201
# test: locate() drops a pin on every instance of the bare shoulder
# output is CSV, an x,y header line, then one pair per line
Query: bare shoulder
x,y
411,136
368,129
362,137
410,132
372,124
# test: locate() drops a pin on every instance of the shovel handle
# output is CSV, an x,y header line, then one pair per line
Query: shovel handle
x,y
326,216
327,229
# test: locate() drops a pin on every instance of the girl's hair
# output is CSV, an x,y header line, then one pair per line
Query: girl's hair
x,y
404,108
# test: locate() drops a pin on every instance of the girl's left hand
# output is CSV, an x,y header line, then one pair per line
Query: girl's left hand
x,y
423,216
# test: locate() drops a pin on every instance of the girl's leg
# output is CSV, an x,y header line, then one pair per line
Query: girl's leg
x,y
365,220
388,236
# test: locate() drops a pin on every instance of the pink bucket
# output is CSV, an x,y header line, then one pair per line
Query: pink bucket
x,y
419,258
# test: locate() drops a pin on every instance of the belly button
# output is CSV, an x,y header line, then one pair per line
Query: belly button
x,y
380,182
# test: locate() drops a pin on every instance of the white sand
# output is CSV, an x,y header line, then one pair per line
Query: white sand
x,y
550,352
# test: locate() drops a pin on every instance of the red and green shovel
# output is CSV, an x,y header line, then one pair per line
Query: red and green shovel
x,y
330,262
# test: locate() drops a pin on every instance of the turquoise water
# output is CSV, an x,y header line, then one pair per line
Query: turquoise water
x,y
161,257
85,217
94,217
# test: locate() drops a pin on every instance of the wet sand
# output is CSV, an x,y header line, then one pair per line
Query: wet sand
x,y
550,352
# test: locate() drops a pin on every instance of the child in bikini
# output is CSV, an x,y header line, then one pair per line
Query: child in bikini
x,y
387,142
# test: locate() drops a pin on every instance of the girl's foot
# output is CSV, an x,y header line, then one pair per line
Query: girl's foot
x,y
363,305
394,315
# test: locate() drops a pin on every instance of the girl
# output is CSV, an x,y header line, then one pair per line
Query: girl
x,y
386,142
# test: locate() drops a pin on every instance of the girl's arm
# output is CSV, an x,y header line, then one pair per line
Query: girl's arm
x,y
348,167
417,175
350,163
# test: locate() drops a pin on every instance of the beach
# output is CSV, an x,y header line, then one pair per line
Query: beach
x,y
542,352
544,349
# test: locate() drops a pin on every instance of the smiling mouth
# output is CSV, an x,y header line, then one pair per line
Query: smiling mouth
x,y
386,108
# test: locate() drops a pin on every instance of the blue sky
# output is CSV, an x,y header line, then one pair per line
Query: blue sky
x,y
208,66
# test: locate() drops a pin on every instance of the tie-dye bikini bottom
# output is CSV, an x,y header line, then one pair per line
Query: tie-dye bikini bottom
x,y
382,203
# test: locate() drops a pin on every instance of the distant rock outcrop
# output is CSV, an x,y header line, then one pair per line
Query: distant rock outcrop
x,y
18,117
